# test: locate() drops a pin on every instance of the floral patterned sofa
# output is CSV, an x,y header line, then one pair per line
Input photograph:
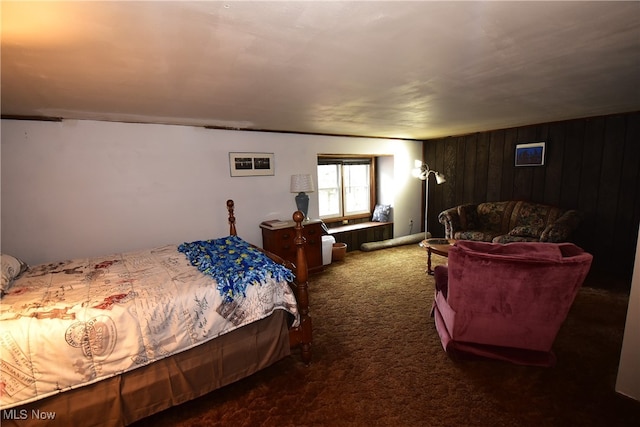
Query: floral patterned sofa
x,y
509,221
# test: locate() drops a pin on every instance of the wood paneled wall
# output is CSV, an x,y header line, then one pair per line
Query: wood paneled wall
x,y
592,165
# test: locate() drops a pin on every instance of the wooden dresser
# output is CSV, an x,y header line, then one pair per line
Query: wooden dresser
x,y
279,240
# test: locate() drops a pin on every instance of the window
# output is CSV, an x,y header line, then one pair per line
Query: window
x,y
344,187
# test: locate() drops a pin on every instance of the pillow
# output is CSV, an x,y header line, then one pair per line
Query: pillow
x,y
526,231
12,268
381,213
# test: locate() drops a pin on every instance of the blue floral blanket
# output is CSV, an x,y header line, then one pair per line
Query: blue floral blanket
x,y
234,264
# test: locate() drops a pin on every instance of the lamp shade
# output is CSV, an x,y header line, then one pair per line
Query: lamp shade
x,y
423,173
302,183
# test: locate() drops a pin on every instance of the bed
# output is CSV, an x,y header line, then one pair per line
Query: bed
x,y
111,340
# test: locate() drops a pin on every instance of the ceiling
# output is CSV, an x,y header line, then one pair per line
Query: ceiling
x,y
394,69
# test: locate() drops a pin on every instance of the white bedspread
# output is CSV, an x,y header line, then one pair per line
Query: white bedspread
x,y
73,323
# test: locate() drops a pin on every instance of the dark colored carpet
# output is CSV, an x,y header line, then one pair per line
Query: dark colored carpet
x,y
378,361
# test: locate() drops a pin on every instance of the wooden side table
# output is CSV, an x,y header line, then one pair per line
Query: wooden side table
x,y
437,246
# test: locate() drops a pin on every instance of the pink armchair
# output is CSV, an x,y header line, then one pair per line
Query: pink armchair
x,y
507,301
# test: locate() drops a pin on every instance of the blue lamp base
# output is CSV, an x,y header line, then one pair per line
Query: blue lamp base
x,y
302,203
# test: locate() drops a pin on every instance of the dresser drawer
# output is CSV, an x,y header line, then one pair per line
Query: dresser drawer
x,y
282,243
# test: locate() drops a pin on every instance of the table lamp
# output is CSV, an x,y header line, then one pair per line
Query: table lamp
x,y
302,184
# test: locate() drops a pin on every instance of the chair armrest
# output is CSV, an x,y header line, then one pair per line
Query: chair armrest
x,y
561,229
441,277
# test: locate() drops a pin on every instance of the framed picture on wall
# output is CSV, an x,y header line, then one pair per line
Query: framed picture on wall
x,y
251,164
531,154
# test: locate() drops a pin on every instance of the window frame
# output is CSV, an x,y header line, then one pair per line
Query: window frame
x,y
351,159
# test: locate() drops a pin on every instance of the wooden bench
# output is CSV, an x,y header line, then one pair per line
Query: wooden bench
x,y
355,235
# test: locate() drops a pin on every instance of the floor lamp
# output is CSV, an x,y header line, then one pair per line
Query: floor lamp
x,y
423,173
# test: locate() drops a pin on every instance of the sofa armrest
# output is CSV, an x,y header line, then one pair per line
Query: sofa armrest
x,y
561,229
451,221
459,218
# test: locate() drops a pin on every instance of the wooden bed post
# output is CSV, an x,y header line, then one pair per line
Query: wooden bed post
x,y
302,274
232,219
302,335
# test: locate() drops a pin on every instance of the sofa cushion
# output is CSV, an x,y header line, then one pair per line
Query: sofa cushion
x,y
528,230
494,216
478,235
468,217
507,238
533,215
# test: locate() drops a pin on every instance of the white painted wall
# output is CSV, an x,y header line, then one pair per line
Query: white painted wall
x,y
385,180
82,188
628,381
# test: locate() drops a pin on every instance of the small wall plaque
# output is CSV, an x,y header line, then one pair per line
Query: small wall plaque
x,y
531,154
